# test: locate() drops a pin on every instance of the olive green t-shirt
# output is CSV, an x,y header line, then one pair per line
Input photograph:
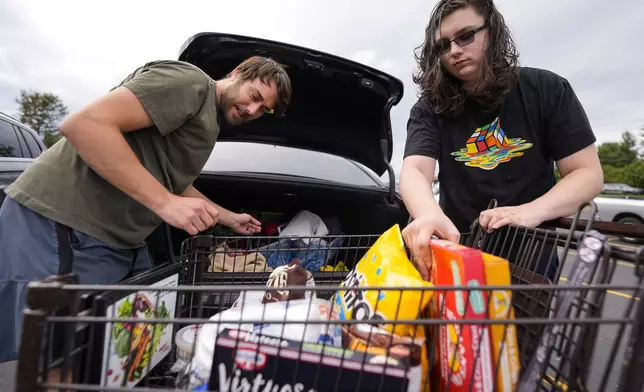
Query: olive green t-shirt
x,y
180,99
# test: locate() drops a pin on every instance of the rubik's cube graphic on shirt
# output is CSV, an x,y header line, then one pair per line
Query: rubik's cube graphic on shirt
x,y
488,138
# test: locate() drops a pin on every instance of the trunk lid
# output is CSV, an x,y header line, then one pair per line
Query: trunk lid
x,y
338,106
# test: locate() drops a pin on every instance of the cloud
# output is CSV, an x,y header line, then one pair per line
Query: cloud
x,y
80,49
365,57
369,57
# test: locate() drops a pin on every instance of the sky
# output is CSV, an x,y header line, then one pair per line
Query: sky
x,y
80,49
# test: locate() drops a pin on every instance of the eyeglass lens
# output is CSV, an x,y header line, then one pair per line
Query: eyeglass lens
x,y
461,40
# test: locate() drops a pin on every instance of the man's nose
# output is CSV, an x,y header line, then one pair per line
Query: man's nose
x,y
254,108
454,48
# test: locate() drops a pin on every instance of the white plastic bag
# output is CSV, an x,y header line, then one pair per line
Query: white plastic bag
x,y
248,298
241,318
305,224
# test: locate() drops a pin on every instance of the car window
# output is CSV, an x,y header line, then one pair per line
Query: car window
x,y
21,141
270,159
34,147
9,146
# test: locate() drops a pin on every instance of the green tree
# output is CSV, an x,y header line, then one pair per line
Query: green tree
x,y
619,154
43,112
634,174
642,142
613,174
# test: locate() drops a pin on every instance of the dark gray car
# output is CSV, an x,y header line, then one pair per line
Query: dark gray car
x,y
19,146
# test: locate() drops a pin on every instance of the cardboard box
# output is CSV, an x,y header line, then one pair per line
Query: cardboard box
x,y
243,360
474,274
505,347
368,338
464,355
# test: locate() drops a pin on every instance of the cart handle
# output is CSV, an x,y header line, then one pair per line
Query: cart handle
x,y
610,228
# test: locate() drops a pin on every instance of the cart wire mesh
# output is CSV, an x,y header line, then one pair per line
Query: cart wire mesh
x,y
570,333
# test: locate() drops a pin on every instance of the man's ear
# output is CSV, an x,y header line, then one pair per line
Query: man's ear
x,y
235,73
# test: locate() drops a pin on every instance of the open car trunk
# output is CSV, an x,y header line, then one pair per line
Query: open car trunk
x,y
352,217
358,210
339,107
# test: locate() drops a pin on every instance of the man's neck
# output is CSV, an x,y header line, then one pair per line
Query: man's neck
x,y
219,88
474,87
468,87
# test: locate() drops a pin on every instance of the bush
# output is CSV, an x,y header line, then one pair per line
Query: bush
x,y
614,174
634,174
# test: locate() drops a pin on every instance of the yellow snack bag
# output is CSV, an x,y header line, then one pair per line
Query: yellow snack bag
x,y
385,265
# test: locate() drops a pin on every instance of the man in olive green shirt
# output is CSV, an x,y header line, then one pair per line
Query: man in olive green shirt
x,y
126,164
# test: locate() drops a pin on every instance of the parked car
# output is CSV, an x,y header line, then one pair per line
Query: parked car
x,y
622,189
19,146
622,210
325,156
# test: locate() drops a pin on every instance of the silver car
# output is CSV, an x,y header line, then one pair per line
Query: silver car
x,y
621,210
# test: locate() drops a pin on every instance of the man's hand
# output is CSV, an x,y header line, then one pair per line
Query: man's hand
x,y
418,233
244,224
240,223
524,215
191,214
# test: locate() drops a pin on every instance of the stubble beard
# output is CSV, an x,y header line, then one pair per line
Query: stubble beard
x,y
227,104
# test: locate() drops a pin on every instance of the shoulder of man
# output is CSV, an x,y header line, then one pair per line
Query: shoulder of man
x,y
167,68
422,107
541,78
171,91
181,66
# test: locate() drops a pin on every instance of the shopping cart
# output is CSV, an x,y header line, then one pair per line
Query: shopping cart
x,y
572,337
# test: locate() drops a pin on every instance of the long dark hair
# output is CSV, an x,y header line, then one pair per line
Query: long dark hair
x,y
443,91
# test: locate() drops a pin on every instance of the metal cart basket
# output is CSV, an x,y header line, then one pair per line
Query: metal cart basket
x,y
575,295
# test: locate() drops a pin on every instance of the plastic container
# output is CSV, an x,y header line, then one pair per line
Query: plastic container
x,y
185,340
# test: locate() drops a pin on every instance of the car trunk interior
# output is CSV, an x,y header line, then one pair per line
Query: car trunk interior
x,y
361,214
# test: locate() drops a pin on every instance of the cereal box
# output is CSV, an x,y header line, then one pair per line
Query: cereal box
x,y
504,343
464,355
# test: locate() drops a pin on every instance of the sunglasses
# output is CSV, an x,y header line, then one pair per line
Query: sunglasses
x,y
444,45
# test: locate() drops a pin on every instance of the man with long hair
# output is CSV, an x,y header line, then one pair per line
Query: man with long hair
x,y
496,130
126,164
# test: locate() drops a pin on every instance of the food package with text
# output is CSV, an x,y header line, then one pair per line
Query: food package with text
x,y
376,341
464,352
505,347
246,360
385,265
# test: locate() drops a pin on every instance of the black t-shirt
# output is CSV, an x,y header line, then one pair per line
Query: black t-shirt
x,y
507,154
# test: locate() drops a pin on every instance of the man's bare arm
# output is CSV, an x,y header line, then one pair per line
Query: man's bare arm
x,y
96,133
224,214
416,177
582,179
